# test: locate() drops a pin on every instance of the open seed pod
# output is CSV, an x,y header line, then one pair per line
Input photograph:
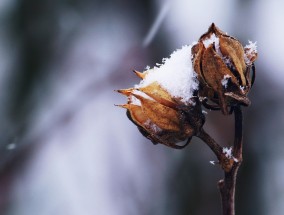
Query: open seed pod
x,y
164,106
161,118
223,66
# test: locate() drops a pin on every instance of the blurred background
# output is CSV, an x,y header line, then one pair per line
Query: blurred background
x,y
66,149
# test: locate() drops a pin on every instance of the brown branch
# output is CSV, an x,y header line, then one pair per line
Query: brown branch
x,y
228,184
229,164
213,145
238,143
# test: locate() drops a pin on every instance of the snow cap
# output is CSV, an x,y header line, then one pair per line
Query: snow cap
x,y
175,75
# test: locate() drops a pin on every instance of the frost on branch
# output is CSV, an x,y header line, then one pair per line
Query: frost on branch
x,y
228,153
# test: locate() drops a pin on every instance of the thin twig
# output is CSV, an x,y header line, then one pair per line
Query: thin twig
x,y
238,143
228,184
214,146
230,165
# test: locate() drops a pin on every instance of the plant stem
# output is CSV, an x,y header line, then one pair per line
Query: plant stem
x,y
238,143
227,191
213,145
228,184
229,165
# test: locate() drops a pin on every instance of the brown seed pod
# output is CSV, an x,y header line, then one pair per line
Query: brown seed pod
x,y
162,118
223,66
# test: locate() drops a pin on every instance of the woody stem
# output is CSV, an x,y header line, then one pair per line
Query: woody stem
x,y
213,145
228,184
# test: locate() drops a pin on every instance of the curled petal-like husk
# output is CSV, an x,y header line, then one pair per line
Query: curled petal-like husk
x,y
214,69
223,71
232,49
160,117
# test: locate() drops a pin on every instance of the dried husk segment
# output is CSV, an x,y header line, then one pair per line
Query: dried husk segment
x,y
223,58
160,117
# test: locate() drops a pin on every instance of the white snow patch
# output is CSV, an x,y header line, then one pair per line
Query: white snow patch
x,y
175,75
204,112
147,67
225,80
212,162
252,47
202,98
213,40
250,50
242,88
228,153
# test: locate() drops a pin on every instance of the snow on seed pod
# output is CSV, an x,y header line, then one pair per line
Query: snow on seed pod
x,y
164,105
223,66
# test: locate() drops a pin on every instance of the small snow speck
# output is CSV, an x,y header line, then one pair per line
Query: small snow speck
x,y
228,152
250,50
204,112
225,80
242,88
252,47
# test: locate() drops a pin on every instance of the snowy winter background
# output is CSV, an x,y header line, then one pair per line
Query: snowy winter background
x,y
66,149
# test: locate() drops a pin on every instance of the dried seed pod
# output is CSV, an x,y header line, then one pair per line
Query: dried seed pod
x,y
223,66
164,106
161,118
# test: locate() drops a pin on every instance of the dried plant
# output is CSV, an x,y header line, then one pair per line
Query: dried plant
x,y
216,73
